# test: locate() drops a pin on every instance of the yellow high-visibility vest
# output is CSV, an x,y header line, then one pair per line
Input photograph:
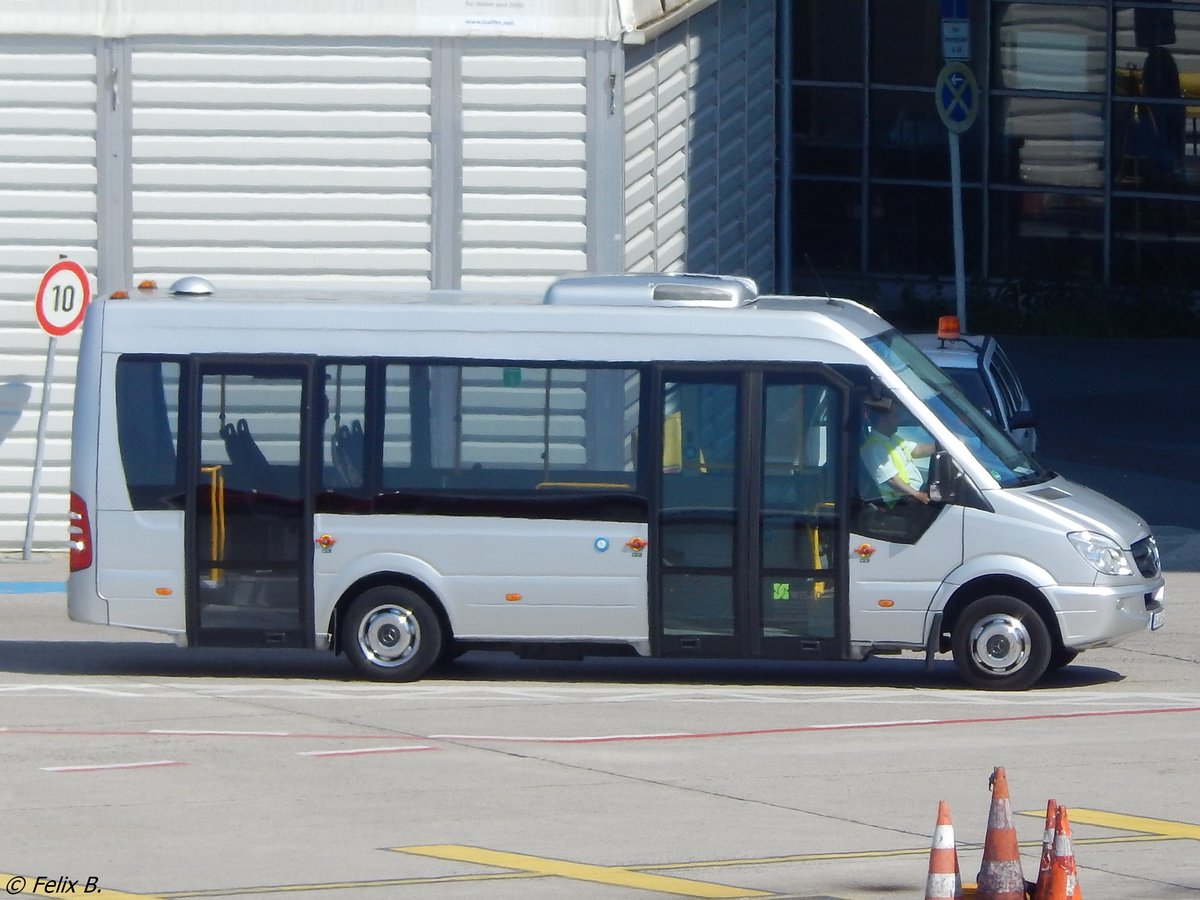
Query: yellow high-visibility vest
x,y
894,448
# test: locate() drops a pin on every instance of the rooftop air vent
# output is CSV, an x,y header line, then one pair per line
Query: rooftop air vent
x,y
192,286
724,291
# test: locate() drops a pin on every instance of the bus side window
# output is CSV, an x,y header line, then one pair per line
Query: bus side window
x,y
348,446
344,403
243,450
147,395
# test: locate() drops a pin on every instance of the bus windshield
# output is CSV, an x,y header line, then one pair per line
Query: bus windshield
x,y
993,447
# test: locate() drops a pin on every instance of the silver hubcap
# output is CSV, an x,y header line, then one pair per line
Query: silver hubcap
x,y
389,636
1000,644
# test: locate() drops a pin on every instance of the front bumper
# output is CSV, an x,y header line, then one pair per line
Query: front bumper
x,y
1099,616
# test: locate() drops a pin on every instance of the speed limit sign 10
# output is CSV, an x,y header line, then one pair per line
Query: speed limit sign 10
x,y
62,298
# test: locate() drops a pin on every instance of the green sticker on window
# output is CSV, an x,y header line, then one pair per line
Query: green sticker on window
x,y
512,377
781,590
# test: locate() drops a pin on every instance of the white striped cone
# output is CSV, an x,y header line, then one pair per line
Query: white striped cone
x,y
1000,876
1042,888
1064,877
944,881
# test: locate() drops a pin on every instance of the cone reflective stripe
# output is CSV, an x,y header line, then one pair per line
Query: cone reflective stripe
x,y
1000,876
1042,889
944,881
1064,879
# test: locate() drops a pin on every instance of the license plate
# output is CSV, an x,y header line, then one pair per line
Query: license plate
x,y
1156,620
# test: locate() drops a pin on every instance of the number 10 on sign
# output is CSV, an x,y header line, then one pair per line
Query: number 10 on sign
x,y
62,298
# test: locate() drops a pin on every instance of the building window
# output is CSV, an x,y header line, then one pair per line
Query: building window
x,y
1084,162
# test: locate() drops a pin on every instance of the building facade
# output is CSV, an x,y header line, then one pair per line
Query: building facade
x,y
1083,165
371,145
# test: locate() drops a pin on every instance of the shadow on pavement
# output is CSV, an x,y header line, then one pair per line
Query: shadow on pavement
x,y
158,660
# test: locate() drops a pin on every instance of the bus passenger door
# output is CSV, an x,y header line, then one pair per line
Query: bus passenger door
x,y
249,508
749,525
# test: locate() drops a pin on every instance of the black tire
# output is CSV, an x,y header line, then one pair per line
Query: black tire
x,y
1000,643
391,634
1061,657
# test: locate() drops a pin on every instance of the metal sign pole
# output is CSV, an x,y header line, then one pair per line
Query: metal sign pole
x,y
960,278
957,98
40,452
60,302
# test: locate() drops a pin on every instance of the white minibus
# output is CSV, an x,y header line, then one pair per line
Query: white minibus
x,y
660,465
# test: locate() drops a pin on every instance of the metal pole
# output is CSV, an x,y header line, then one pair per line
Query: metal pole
x,y
960,279
40,452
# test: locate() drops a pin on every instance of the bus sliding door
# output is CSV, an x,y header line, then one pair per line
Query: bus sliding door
x,y
249,508
749,532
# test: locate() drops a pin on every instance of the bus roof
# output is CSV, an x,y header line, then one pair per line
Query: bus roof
x,y
475,324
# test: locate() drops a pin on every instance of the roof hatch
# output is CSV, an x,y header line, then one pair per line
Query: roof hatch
x,y
721,291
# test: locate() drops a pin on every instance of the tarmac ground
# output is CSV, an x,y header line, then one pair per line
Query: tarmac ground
x,y
138,769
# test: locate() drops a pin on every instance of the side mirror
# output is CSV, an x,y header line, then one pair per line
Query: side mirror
x,y
1023,418
948,483
944,478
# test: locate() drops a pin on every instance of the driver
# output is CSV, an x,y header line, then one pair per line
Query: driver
x,y
890,458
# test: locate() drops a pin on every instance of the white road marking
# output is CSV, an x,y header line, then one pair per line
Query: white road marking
x,y
101,768
363,751
194,732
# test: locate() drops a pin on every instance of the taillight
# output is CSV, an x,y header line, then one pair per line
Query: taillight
x,y
80,534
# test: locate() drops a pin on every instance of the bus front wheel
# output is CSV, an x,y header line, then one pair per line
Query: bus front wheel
x,y
1001,643
391,634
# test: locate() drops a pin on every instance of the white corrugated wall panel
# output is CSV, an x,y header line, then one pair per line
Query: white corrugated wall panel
x,y
524,165
700,145
47,208
276,163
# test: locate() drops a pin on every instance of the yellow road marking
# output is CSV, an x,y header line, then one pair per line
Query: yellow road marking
x,y
614,875
28,884
638,875
342,885
1160,828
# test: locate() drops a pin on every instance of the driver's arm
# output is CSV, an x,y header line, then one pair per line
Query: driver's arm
x,y
902,487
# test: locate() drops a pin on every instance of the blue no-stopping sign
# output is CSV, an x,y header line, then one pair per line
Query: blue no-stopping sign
x,y
957,97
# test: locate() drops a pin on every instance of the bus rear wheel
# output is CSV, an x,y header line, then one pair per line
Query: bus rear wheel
x,y
391,634
1000,643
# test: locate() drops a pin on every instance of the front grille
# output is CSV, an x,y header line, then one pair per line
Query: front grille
x,y
1145,554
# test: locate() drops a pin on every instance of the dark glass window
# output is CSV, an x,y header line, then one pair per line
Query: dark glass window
x,y
1154,241
911,229
827,40
909,141
1050,47
344,444
1057,142
510,427
906,42
827,130
1156,141
147,396
1088,138
827,228
1047,235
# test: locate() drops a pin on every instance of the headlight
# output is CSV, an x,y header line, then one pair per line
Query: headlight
x,y
1103,553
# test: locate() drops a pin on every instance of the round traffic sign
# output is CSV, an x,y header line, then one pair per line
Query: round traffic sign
x,y
957,97
62,298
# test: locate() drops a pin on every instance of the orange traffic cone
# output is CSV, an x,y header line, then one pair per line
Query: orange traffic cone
x,y
1064,879
1000,875
944,881
1042,888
